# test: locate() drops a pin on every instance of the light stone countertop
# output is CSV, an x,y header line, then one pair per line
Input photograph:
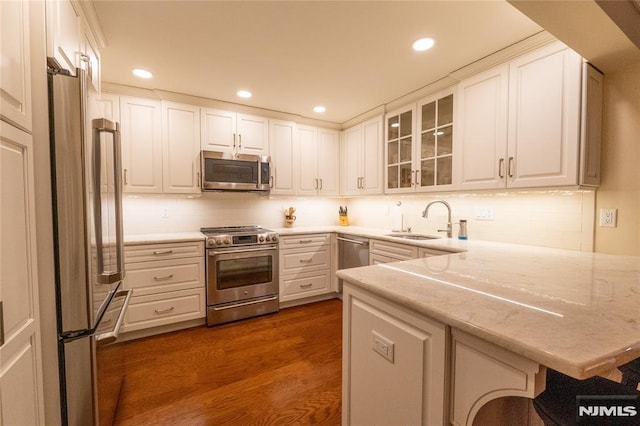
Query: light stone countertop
x,y
575,312
168,237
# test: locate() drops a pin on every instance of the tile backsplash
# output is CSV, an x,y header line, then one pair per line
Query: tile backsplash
x,y
549,218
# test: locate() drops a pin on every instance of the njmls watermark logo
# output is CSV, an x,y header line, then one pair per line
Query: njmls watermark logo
x,y
608,410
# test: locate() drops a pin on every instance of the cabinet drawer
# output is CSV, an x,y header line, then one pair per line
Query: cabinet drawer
x,y
397,251
162,276
375,259
150,252
164,308
305,240
305,259
304,285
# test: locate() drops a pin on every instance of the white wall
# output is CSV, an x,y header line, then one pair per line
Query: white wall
x,y
620,188
555,218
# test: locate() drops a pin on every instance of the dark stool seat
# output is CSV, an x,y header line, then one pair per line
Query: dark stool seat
x,y
557,404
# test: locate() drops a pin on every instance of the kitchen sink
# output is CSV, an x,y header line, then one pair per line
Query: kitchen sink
x,y
413,236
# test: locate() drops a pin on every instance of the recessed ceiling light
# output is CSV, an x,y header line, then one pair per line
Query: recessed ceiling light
x,y
423,44
319,108
139,72
244,94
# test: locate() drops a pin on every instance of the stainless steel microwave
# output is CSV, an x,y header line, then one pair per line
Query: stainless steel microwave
x,y
222,171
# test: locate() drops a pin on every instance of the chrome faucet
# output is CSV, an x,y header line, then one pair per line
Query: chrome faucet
x,y
425,214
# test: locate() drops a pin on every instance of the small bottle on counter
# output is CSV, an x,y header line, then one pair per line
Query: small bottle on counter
x,y
462,233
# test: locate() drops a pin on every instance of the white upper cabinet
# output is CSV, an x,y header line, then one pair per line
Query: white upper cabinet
x,y
141,132
519,123
15,78
434,143
180,148
90,60
544,117
283,160
63,35
318,165
400,176
362,158
591,129
231,132
481,141
419,145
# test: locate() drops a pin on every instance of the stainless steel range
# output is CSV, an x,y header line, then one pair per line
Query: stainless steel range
x,y
242,272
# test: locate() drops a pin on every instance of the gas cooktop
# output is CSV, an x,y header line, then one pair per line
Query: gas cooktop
x,y
233,236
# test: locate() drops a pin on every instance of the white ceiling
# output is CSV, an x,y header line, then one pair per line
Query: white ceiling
x,y
348,56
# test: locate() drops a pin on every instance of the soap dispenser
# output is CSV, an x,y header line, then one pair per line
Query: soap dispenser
x,y
462,232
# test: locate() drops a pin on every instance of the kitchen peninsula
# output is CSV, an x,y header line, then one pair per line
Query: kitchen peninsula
x,y
441,336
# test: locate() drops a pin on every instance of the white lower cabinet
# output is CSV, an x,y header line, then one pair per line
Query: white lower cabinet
x,y
393,364
305,266
386,252
168,284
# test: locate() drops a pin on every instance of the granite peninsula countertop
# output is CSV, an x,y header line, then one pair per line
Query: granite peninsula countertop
x,y
575,312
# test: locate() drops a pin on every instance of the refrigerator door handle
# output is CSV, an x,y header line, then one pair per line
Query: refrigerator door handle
x,y
100,126
112,335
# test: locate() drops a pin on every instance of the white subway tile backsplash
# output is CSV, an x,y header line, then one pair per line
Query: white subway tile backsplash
x,y
555,218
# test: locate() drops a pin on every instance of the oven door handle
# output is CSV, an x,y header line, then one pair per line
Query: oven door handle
x,y
234,251
238,305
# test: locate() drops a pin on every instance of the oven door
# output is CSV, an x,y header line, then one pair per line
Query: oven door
x,y
237,274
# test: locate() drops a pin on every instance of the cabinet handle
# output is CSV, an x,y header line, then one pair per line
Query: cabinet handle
x,y
320,184
501,168
362,182
198,179
305,241
316,185
271,181
306,260
234,141
358,183
510,167
306,285
84,58
163,277
163,252
126,181
239,140
164,311
417,175
1,325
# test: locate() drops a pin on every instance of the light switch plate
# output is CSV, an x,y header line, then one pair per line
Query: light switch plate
x,y
608,218
484,213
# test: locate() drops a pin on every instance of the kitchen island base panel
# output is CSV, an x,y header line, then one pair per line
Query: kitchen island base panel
x,y
425,370
482,372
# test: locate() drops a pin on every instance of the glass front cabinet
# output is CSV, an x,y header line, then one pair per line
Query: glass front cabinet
x,y
419,145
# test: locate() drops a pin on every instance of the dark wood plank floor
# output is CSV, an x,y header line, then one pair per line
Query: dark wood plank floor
x,y
280,369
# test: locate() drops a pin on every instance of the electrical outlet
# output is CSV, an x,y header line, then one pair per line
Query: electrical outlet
x,y
608,218
165,213
484,213
383,346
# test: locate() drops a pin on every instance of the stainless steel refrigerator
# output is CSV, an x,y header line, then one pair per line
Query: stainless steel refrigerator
x,y
88,250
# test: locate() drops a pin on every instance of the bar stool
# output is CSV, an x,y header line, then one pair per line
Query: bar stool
x,y
557,404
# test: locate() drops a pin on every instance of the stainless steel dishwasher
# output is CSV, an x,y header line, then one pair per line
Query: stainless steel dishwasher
x,y
353,251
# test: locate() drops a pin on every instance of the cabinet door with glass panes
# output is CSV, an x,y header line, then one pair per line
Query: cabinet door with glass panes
x,y
399,126
434,147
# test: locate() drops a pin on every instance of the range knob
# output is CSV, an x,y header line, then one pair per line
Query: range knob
x,y
261,238
227,241
218,241
211,242
274,238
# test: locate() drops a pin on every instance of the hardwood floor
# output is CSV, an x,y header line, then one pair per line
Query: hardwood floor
x,y
280,369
